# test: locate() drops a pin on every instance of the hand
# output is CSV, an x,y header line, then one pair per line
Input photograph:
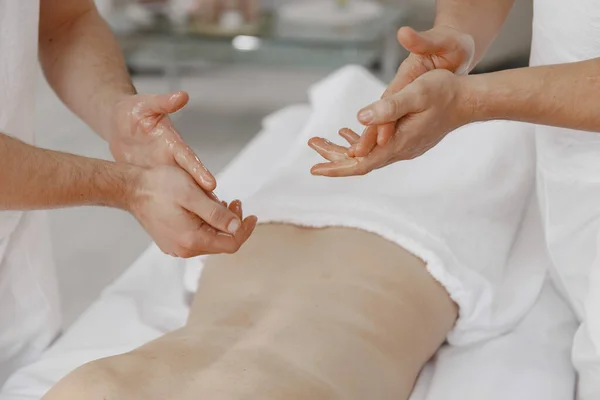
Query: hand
x,y
438,48
172,208
211,10
427,109
142,134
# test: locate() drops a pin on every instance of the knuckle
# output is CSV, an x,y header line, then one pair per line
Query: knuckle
x,y
393,107
215,214
185,253
218,215
419,86
422,65
425,91
187,241
232,247
362,170
421,100
387,108
229,250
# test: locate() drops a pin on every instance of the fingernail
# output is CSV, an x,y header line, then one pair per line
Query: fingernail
x,y
365,116
233,226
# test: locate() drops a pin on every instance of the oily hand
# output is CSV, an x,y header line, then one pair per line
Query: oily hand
x,y
438,48
183,219
142,134
174,200
427,109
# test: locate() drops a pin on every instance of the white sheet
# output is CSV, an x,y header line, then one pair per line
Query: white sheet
x,y
532,362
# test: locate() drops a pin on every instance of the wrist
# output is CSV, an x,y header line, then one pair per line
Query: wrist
x,y
473,96
112,104
120,184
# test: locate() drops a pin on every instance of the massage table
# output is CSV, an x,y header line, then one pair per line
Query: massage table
x,y
152,297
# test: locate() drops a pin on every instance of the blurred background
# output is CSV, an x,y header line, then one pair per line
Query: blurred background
x,y
236,72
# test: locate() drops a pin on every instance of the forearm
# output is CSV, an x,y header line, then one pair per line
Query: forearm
x,y
482,19
83,63
563,95
34,178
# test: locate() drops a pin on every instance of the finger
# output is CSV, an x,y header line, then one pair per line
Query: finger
x,y
211,212
367,142
427,42
411,68
389,109
376,159
385,133
350,136
352,150
189,161
236,207
223,243
328,150
347,167
213,196
170,102
248,226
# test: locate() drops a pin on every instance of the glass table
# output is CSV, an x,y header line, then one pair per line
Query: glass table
x,y
173,49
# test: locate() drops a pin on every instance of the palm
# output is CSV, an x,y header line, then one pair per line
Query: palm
x,y
438,48
145,139
144,135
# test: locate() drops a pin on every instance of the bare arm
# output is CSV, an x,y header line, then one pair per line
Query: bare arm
x,y
34,178
84,65
438,102
482,19
165,200
82,61
462,33
563,95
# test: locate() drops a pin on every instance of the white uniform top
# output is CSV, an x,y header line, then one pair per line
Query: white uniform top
x,y
569,180
29,312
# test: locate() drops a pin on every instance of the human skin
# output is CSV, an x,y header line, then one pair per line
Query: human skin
x,y
457,42
170,191
164,199
438,102
297,313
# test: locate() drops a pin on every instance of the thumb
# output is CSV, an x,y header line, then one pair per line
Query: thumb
x,y
389,109
187,160
428,42
170,102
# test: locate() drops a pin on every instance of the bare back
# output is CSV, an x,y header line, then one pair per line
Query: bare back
x,y
297,313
